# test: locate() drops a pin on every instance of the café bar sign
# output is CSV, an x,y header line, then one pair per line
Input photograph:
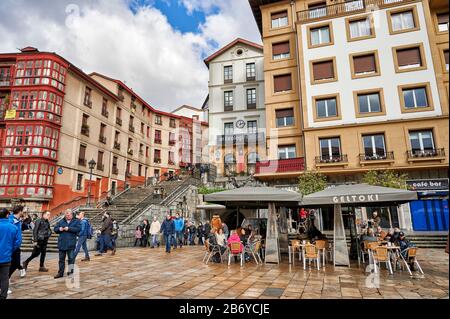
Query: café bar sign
x,y
428,184
356,198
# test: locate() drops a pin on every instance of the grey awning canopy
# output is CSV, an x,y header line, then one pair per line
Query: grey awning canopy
x,y
359,194
211,207
254,196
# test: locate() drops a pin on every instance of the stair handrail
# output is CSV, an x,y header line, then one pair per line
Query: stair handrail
x,y
168,200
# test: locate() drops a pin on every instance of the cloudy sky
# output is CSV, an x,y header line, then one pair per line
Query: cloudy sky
x,y
156,46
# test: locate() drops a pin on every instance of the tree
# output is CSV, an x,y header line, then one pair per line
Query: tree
x,y
385,178
311,182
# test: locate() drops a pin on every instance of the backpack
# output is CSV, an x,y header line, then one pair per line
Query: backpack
x,y
89,230
115,229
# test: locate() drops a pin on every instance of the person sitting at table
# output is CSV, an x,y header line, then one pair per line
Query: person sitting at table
x,y
395,236
234,238
380,233
369,236
244,236
212,239
220,237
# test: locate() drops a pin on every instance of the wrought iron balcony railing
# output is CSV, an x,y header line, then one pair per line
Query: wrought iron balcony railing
x,y
331,159
417,154
241,139
376,157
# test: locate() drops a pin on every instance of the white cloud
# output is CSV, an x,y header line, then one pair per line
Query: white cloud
x,y
161,64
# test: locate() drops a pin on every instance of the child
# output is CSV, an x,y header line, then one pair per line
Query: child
x,y
138,236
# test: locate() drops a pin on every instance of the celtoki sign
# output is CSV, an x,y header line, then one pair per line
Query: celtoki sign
x,y
356,198
428,184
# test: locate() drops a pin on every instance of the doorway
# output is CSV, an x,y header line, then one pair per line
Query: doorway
x,y
232,219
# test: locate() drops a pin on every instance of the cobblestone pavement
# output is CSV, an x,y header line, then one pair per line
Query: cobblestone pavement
x,y
151,273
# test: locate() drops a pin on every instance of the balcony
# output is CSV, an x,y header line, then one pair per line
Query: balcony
x,y
115,171
251,78
290,165
251,106
105,113
85,130
386,158
241,139
117,146
158,141
171,162
334,160
88,103
82,161
345,8
100,167
437,154
5,81
118,121
172,142
157,160
228,108
130,152
131,128
102,139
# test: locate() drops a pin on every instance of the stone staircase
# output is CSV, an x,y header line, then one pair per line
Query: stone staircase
x,y
27,242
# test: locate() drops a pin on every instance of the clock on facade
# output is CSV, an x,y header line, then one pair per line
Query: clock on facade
x,y
240,124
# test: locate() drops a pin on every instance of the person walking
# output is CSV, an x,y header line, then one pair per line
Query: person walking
x,y
114,233
200,234
145,232
192,233
41,233
16,218
105,236
10,241
138,236
168,230
67,228
179,230
154,232
84,234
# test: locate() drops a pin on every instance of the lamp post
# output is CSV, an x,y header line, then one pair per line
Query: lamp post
x,y
91,164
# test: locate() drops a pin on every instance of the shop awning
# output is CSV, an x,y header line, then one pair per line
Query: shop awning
x,y
254,196
211,207
359,194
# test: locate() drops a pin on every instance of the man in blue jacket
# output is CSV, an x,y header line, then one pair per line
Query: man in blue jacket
x,y
16,218
83,237
168,230
67,228
179,230
9,241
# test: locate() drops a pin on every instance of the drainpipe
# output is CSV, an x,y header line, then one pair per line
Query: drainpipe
x,y
297,50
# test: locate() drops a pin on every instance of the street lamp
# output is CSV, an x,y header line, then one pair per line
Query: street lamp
x,y
91,164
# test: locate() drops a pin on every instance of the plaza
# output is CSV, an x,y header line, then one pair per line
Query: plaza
x,y
144,273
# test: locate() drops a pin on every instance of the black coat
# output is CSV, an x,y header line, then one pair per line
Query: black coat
x,y
42,230
67,240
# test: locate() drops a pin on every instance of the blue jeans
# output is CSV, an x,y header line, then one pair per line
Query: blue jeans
x,y
179,237
191,239
105,243
155,240
62,260
82,243
168,240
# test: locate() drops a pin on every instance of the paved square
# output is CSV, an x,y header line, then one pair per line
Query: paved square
x,y
151,273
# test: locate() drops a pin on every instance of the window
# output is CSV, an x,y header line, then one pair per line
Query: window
x,y
79,182
281,51
84,125
319,36
102,137
141,149
158,138
158,119
228,100
352,5
172,123
421,141
286,152
415,97
157,156
369,102
171,158
252,127
374,146
40,72
251,71
228,74
403,21
228,129
105,107
330,148
442,19
317,10
410,58
446,59
279,19
251,98
147,149
139,170
87,97
326,108
115,169
252,158
82,155
100,160
364,65
360,29
282,83
285,117
323,71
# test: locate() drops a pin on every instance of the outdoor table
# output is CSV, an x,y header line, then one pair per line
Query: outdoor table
x,y
396,251
300,255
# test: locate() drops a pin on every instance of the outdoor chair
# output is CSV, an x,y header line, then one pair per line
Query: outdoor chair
x,y
371,246
321,246
364,250
235,249
212,250
311,253
295,246
253,250
380,255
411,253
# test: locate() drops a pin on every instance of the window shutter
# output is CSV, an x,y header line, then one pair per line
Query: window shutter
x,y
279,15
408,56
280,48
282,83
284,113
323,70
364,63
82,151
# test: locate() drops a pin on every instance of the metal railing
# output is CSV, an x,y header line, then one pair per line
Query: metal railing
x,y
376,157
241,139
281,166
345,8
438,152
331,159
